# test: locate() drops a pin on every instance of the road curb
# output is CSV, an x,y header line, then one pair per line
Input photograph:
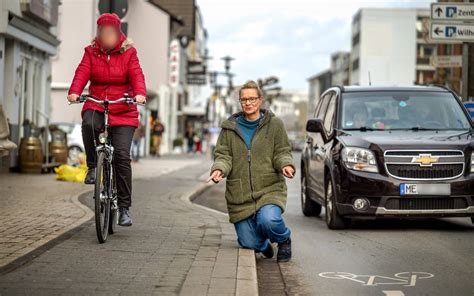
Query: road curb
x,y
50,241
246,283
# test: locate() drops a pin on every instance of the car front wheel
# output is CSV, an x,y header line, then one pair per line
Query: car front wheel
x,y
308,206
333,219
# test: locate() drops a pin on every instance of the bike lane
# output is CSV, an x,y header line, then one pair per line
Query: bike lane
x,y
381,257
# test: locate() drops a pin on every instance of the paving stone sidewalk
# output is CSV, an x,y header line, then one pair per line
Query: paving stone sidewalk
x,y
37,208
173,247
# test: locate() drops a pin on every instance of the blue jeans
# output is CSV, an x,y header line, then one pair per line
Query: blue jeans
x,y
255,232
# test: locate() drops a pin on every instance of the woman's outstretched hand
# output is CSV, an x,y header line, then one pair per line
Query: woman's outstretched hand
x,y
288,171
140,99
216,176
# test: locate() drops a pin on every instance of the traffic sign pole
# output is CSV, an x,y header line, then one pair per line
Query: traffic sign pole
x,y
465,72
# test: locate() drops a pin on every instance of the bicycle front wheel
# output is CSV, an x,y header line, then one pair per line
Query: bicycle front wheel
x,y
102,198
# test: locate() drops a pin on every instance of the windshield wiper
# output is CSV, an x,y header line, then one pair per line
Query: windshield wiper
x,y
364,128
415,128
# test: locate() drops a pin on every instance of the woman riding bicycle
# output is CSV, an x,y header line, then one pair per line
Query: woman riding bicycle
x,y
111,65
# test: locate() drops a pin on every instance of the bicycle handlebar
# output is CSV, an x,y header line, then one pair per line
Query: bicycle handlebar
x,y
84,98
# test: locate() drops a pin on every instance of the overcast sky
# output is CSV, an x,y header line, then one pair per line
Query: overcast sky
x,y
292,39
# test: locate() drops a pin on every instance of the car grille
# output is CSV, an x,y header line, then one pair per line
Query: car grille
x,y
413,171
402,164
416,153
426,203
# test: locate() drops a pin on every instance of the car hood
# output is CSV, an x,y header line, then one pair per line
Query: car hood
x,y
390,140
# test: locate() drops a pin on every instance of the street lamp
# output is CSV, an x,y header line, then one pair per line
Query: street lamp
x,y
227,59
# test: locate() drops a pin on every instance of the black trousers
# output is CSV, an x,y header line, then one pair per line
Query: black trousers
x,y
92,125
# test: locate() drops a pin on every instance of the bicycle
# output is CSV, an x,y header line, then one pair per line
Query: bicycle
x,y
105,189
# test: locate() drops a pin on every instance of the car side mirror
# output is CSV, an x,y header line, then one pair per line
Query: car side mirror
x,y
316,126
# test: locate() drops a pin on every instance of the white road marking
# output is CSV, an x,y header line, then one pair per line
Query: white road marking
x,y
407,279
393,293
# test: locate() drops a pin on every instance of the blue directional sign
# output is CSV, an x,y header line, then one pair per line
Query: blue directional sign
x,y
452,11
470,107
463,32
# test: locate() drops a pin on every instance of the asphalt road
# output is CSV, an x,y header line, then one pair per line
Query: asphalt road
x,y
378,257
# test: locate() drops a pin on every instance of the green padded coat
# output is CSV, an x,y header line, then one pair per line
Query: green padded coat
x,y
254,177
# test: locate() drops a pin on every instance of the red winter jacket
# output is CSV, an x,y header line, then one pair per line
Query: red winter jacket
x,y
111,75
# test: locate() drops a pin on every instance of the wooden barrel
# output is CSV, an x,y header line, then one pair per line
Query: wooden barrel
x,y
31,155
58,151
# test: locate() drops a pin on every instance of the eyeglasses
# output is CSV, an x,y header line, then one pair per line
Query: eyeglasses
x,y
251,100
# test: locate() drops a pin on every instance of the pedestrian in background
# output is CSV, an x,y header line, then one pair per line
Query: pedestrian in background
x,y
254,154
136,142
189,135
157,133
198,142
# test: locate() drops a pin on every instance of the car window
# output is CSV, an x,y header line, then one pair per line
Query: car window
x,y
324,106
328,118
402,110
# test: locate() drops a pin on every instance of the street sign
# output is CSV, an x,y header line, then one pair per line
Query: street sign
x,y
470,108
454,61
452,11
452,32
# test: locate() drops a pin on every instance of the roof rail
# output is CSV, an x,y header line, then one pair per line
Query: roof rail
x,y
341,87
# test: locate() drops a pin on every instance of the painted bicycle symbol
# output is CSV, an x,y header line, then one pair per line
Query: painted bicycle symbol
x,y
407,279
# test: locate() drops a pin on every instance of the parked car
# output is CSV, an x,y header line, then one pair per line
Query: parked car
x,y
388,152
297,144
74,137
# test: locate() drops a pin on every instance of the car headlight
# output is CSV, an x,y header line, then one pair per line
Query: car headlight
x,y
472,163
359,159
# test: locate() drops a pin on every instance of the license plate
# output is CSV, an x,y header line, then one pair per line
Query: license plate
x,y
425,189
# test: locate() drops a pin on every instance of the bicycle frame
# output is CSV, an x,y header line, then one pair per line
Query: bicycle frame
x,y
106,194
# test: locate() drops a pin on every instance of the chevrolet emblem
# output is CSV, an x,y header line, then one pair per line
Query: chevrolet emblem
x,y
425,159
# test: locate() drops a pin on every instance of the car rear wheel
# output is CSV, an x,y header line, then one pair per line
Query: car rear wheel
x,y
308,206
333,219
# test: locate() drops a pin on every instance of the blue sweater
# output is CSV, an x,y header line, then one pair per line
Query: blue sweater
x,y
248,128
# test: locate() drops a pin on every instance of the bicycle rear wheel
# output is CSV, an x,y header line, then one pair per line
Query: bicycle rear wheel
x,y
102,200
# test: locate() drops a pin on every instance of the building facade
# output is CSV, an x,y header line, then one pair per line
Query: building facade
x,y
340,68
292,107
192,91
384,47
317,85
152,29
27,41
425,49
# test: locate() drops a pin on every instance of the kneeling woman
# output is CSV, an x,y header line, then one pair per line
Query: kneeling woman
x,y
254,154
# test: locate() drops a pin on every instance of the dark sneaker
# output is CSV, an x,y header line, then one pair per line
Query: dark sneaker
x,y
284,251
124,218
268,252
90,177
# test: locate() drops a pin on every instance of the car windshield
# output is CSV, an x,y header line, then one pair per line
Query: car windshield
x,y
402,111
